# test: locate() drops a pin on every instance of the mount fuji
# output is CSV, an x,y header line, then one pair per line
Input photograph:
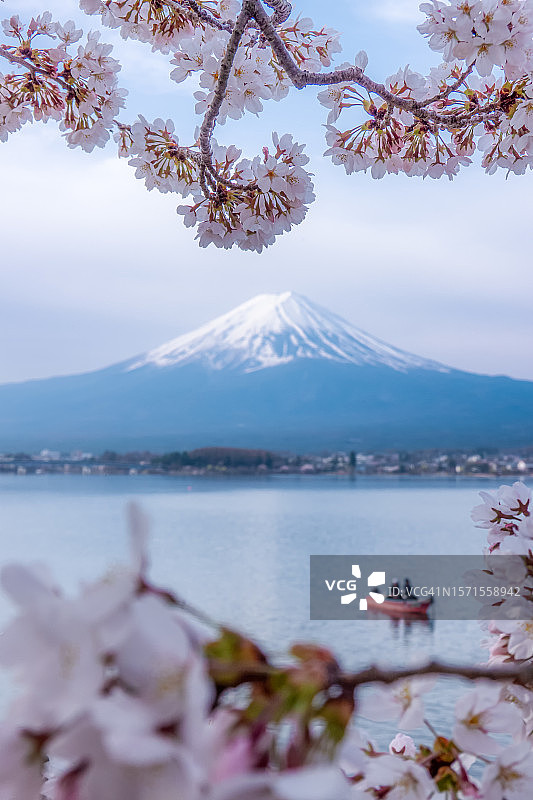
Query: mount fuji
x,y
278,372
275,329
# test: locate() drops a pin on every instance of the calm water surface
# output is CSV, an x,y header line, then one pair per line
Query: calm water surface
x,y
239,549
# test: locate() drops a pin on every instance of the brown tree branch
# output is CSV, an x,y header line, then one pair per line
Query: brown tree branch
x,y
254,10
209,121
282,11
522,674
255,672
33,68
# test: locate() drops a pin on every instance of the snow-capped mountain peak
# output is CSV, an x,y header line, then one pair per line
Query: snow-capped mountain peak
x,y
274,329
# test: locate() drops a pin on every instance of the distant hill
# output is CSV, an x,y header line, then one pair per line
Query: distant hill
x,y
278,372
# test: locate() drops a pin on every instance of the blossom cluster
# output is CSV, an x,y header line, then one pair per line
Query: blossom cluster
x,y
391,139
481,717
254,76
483,33
443,117
479,97
247,203
275,197
163,25
77,89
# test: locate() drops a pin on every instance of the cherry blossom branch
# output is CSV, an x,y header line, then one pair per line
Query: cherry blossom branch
x,y
253,9
436,138
32,67
275,190
302,78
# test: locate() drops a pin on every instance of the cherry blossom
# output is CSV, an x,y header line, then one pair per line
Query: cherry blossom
x,y
510,776
507,515
403,745
402,778
401,702
21,762
79,91
520,637
480,713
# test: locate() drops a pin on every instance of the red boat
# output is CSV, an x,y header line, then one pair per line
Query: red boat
x,y
400,608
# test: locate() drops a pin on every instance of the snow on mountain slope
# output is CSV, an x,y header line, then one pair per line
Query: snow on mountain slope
x,y
273,329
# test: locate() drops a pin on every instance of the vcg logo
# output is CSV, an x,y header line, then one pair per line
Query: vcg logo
x,y
348,587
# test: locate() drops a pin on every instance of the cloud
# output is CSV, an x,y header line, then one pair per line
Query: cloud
x,y
397,11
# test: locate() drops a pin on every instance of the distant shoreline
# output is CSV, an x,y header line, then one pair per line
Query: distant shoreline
x,y
229,474
234,461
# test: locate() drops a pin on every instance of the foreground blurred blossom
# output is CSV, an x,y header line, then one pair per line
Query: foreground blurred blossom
x,y
117,699
404,779
510,777
402,703
127,693
480,713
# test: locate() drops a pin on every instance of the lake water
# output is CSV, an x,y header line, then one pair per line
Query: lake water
x,y
239,549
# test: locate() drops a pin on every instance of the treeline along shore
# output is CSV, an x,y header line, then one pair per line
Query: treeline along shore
x,y
240,461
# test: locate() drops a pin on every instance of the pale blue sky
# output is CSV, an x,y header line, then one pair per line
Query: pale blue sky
x,y
95,269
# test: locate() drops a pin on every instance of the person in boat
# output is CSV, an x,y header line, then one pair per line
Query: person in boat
x,y
395,590
408,591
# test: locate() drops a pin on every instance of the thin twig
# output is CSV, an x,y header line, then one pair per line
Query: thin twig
x,y
449,89
214,173
204,15
238,185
